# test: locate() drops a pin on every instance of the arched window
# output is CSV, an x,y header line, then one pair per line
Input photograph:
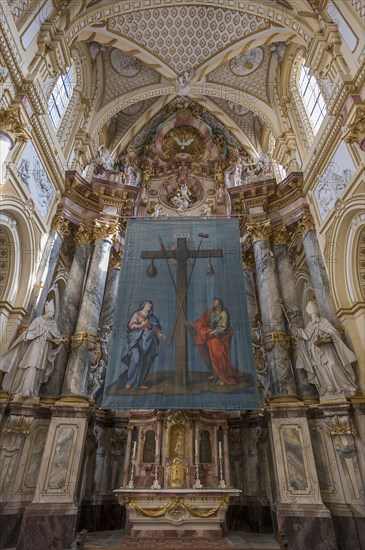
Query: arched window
x,y
60,97
312,98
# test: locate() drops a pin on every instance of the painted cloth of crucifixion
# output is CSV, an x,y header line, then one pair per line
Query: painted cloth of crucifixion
x,y
181,335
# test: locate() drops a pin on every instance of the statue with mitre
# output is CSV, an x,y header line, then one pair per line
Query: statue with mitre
x,y
30,360
325,357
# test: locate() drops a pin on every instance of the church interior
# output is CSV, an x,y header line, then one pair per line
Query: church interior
x,y
159,113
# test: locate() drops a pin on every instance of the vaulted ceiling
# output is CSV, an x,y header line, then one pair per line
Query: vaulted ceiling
x,y
224,54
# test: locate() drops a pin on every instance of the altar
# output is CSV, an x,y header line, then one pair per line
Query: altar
x,y
176,513
176,475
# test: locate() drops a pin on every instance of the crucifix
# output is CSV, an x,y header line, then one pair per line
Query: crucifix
x,y
181,254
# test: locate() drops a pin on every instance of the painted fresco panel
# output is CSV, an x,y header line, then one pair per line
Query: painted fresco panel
x,y
181,335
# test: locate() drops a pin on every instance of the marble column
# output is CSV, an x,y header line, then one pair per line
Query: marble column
x,y
158,439
288,295
227,476
127,458
317,269
85,338
107,315
69,310
59,230
250,289
276,341
111,290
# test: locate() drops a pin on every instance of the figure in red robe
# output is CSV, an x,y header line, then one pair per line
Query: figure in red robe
x,y
213,335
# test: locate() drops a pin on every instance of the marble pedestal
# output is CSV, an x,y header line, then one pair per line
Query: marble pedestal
x,y
176,512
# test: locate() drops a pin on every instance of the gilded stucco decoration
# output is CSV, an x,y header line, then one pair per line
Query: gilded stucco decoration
x,y
185,140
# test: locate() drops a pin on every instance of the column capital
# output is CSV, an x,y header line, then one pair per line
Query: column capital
x,y
305,224
248,260
83,235
61,225
356,130
105,230
281,236
12,123
260,231
115,259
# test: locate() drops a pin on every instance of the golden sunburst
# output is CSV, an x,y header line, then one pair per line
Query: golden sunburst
x,y
183,140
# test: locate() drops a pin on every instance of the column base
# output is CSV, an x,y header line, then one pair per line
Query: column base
x,y
9,528
51,526
349,525
105,515
253,517
306,526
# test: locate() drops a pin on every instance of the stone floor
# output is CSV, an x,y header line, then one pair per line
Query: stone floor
x,y
234,541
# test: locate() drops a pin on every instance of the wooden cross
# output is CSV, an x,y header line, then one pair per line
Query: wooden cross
x,y
181,254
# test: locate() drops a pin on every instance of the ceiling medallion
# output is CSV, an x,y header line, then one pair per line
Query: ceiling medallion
x,y
133,109
183,140
125,65
245,64
237,108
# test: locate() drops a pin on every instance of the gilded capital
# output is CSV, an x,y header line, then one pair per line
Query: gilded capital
x,y
61,225
105,230
115,259
305,224
11,123
281,236
356,130
83,235
260,231
248,261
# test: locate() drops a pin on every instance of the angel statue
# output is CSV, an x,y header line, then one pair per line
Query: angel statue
x,y
105,160
182,199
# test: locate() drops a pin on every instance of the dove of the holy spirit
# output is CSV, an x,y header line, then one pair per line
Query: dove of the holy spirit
x,y
185,143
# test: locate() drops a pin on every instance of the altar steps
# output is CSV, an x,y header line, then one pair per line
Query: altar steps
x,y
120,540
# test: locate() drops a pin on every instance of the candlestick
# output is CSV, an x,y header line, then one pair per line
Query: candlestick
x,y
134,449
196,447
220,449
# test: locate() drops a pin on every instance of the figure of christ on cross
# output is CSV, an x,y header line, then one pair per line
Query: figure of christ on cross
x,y
181,254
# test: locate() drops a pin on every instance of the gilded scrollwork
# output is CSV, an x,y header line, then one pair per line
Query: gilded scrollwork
x,y
62,225
176,502
83,235
105,230
260,231
183,139
340,425
273,338
88,339
115,259
305,224
281,236
12,123
18,424
356,130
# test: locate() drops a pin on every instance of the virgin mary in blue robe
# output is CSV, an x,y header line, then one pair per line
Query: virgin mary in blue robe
x,y
143,340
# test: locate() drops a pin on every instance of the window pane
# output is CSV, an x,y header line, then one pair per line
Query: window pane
x,y
312,98
60,97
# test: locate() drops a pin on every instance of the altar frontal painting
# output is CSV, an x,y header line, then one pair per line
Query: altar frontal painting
x,y
181,335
